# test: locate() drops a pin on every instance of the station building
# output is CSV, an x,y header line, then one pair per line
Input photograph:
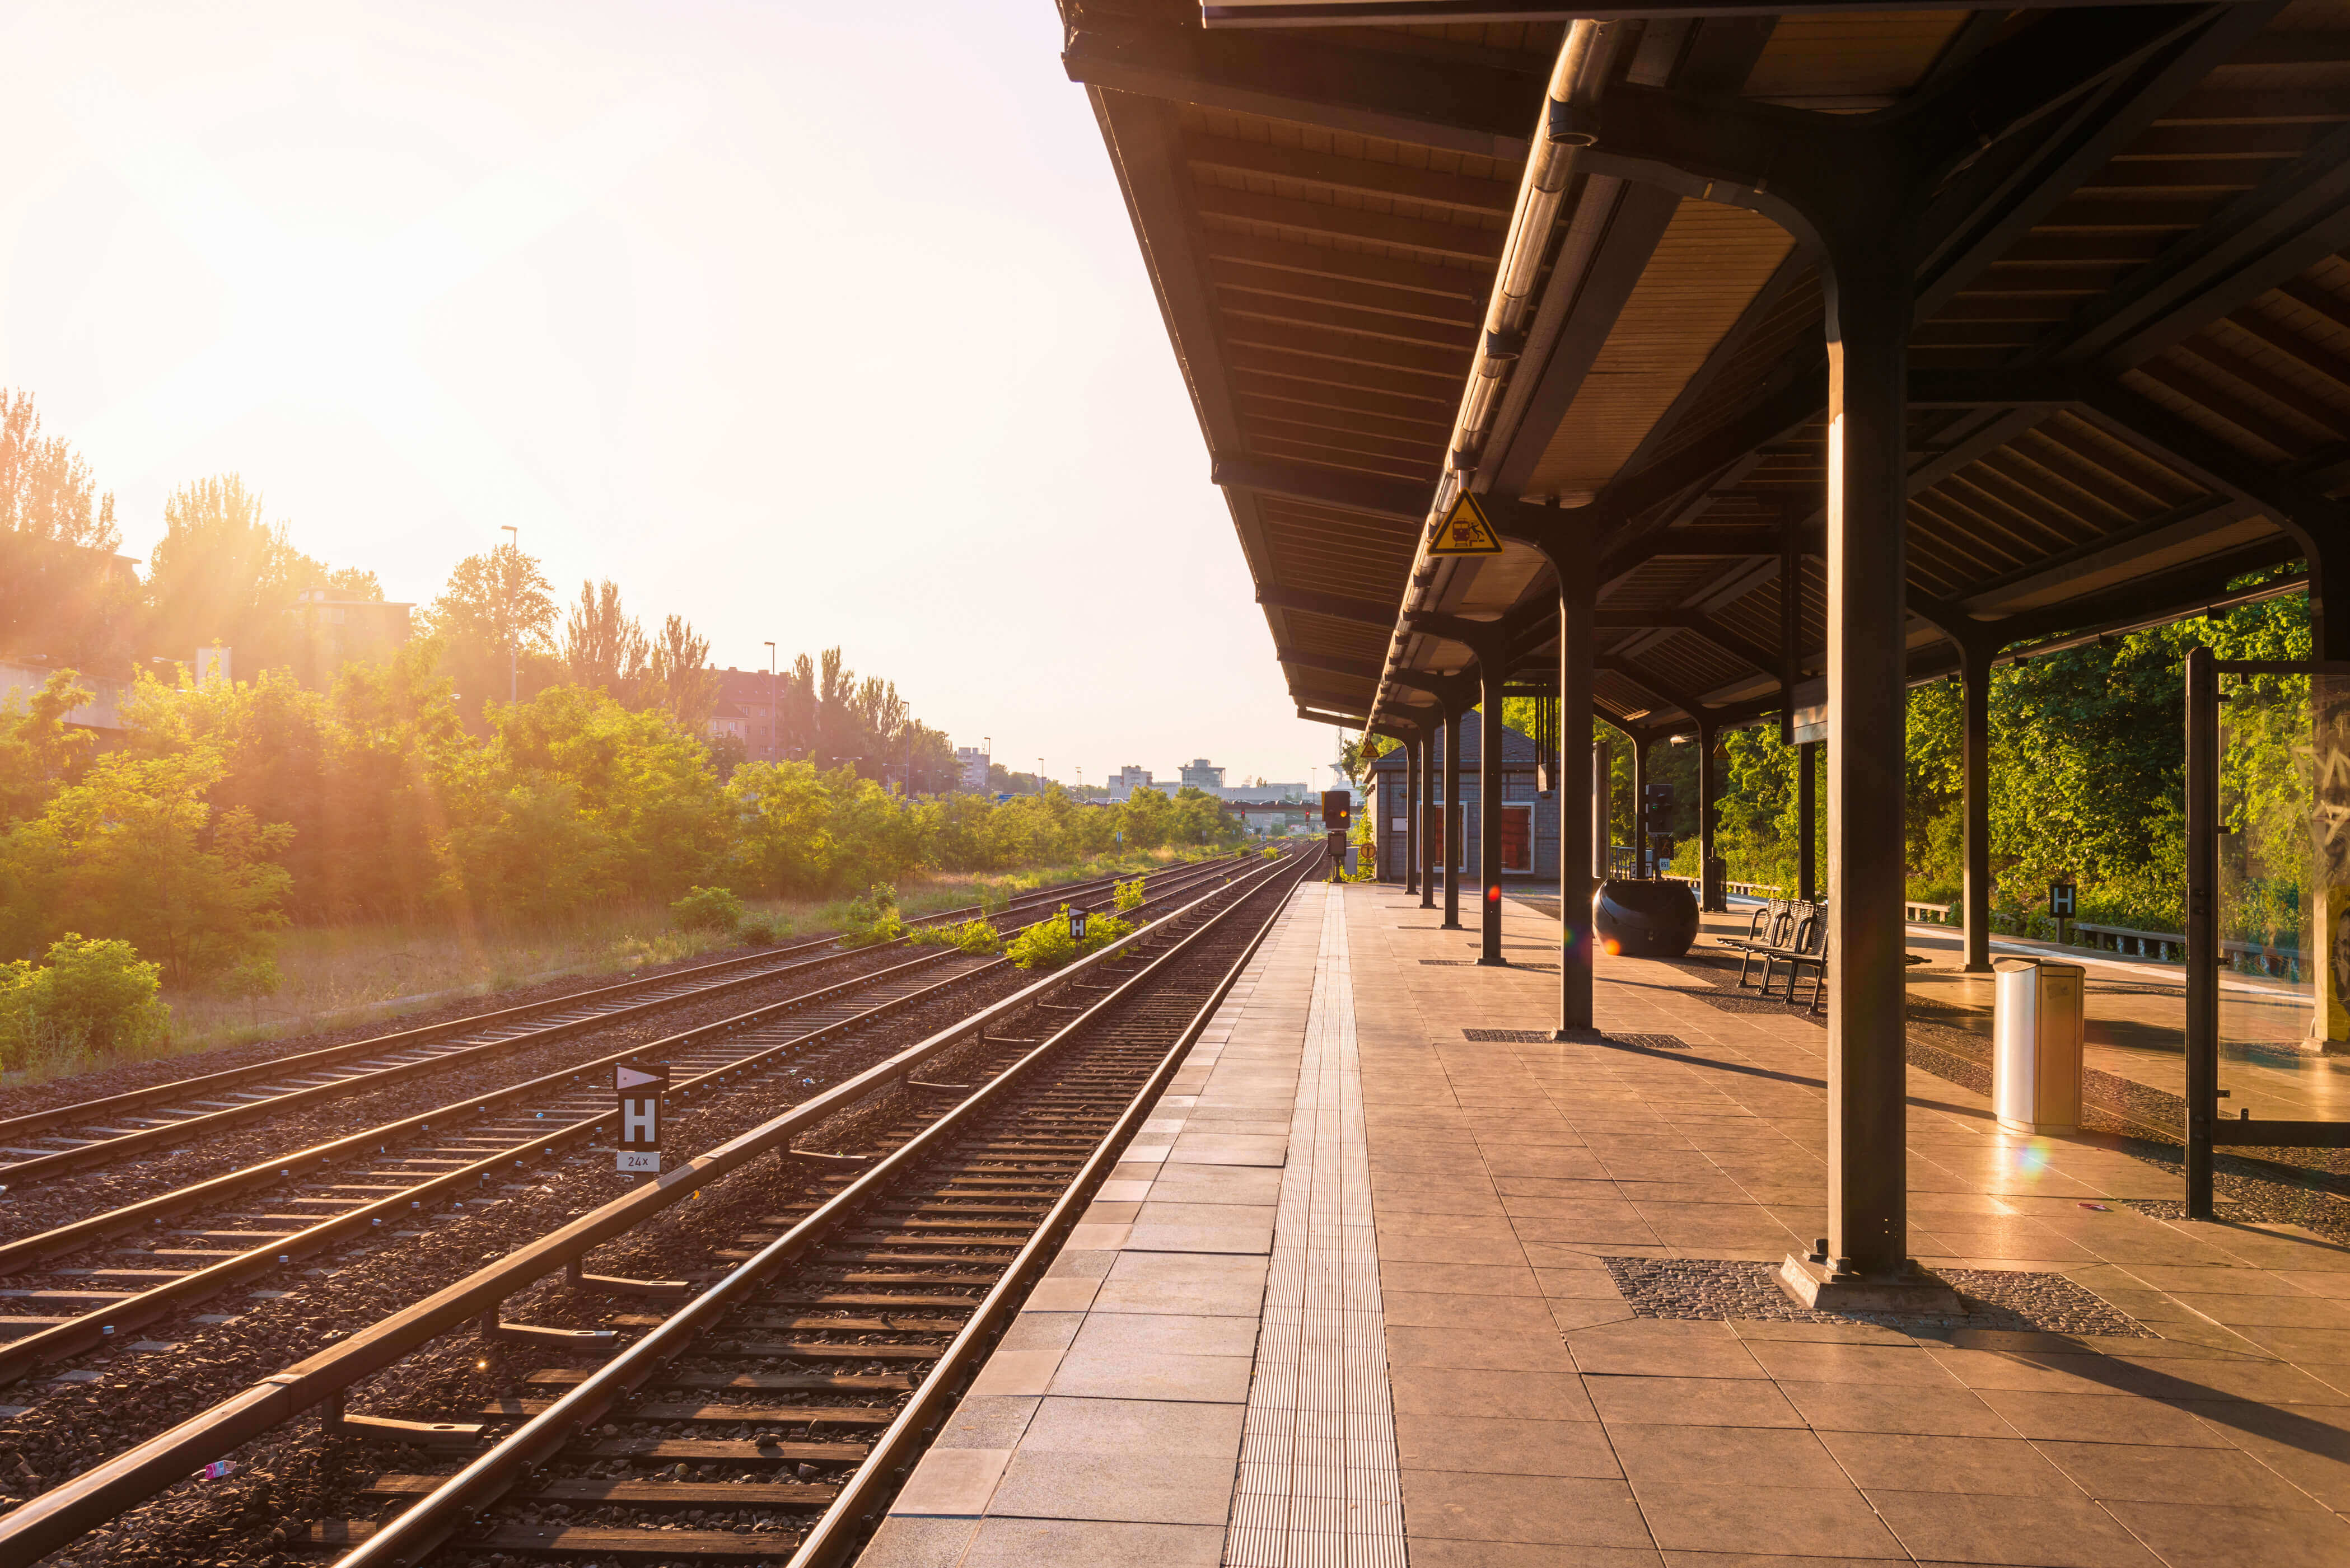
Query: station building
x,y
1529,833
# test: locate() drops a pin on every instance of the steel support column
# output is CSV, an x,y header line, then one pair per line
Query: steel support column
x,y
1710,891
1453,821
1601,828
1870,302
2328,554
1807,810
1975,657
1639,806
1582,824
1413,749
1423,838
1492,674
2203,956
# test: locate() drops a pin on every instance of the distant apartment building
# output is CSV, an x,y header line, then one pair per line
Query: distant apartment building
x,y
338,629
21,679
1265,793
746,709
1200,773
971,764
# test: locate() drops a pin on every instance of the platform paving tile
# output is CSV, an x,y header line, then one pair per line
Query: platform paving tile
x,y
1461,1200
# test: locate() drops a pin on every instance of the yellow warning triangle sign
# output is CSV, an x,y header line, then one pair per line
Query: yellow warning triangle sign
x,y
1465,531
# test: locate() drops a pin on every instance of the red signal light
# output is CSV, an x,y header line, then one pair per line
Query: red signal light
x,y
1493,895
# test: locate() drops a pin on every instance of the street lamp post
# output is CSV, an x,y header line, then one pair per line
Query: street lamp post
x,y
513,631
774,711
1040,775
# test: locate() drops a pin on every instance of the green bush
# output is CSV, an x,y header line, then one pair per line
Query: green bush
x,y
1048,945
707,909
90,996
1129,894
764,930
972,936
871,918
1273,852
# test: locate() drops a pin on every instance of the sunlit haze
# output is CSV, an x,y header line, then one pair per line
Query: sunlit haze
x,y
809,326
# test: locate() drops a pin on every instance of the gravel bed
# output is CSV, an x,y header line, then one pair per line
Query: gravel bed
x,y
231,1520
1722,1288
293,1472
28,1210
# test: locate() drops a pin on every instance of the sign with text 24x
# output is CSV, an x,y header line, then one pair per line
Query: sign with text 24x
x,y
640,1086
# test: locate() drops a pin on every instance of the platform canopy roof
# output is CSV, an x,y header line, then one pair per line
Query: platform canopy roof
x,y
2130,368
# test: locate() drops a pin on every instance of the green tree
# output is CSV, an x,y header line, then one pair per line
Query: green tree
x,y
38,752
89,996
223,575
782,841
575,792
678,675
65,595
494,622
603,647
132,851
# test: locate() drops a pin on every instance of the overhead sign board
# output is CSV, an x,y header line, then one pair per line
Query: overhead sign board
x,y
1465,531
639,1086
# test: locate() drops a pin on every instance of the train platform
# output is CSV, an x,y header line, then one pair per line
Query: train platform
x,y
1393,1276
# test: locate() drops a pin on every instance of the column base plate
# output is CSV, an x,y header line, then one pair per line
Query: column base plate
x,y
1824,1287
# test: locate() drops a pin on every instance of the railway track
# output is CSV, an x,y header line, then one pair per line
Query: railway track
x,y
62,1140
78,1285
809,1374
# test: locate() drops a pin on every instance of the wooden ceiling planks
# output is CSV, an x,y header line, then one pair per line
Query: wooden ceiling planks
x,y
1341,249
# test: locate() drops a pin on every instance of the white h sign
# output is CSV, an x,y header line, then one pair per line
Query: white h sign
x,y
640,1088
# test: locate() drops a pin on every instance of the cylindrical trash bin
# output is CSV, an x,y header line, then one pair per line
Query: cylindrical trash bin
x,y
2035,1075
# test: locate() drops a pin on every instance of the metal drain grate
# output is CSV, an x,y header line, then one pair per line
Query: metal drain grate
x,y
1583,1037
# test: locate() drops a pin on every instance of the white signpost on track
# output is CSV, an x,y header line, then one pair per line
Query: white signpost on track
x,y
640,1086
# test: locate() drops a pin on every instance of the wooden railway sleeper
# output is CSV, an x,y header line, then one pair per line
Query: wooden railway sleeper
x,y
614,1285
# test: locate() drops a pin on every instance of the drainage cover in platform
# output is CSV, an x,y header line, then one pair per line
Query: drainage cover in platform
x,y
1587,1037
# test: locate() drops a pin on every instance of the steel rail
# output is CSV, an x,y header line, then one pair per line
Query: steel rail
x,y
434,1517
88,1113
869,1491
56,1517
92,1329
66,1161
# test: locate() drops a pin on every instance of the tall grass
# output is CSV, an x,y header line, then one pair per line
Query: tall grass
x,y
342,976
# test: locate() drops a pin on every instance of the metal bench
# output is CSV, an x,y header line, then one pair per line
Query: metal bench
x,y
1809,950
1767,931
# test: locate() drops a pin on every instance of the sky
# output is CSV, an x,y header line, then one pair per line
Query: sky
x,y
814,323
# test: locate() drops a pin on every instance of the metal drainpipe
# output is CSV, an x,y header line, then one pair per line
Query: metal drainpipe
x,y
1576,78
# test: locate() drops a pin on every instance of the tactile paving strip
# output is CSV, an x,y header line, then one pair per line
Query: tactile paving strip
x,y
1319,1485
